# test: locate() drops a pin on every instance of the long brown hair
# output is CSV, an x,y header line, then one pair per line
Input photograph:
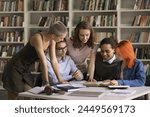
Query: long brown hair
x,y
126,51
76,40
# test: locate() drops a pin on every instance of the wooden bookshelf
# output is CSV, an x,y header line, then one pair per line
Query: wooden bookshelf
x,y
11,29
135,26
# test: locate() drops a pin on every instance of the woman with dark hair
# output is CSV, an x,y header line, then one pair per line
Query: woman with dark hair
x,y
130,71
17,77
81,45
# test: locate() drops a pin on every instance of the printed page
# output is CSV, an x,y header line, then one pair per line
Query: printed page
x,y
36,90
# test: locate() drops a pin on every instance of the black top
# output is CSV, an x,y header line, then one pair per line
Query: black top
x,y
18,69
25,57
104,70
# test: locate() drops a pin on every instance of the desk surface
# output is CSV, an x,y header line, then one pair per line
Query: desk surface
x,y
140,91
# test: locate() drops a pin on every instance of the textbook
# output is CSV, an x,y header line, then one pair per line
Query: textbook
x,y
97,84
67,87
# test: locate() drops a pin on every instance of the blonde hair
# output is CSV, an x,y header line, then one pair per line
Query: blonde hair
x,y
58,29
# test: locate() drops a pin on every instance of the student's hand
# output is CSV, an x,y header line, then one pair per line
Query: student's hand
x,y
106,80
114,82
76,74
63,82
45,83
92,80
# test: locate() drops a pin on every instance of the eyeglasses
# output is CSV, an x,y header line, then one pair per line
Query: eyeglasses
x,y
62,48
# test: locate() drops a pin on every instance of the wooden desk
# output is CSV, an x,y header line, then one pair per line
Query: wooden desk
x,y
140,91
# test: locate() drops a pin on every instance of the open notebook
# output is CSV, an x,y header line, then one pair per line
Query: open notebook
x,y
36,90
97,84
121,92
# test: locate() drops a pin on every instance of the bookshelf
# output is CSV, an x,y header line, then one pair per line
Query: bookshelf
x,y
135,25
42,13
102,15
108,18
11,29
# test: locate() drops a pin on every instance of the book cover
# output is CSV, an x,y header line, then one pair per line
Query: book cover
x,y
68,88
144,20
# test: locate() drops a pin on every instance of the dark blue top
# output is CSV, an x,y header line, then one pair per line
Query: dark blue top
x,y
134,76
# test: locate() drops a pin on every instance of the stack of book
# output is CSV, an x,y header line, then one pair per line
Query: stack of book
x,y
67,87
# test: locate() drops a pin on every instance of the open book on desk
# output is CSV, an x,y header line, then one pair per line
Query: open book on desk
x,y
36,90
121,92
97,84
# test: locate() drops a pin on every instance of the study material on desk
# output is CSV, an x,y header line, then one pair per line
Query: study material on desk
x,y
85,94
67,87
36,90
97,84
121,92
118,87
78,83
105,95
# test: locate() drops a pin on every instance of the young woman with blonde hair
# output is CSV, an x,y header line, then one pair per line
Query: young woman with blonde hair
x,y
17,73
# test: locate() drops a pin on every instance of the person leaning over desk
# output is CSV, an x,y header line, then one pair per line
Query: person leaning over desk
x,y
105,61
81,46
17,75
130,71
67,67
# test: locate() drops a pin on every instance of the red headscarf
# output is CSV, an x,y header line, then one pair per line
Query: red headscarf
x,y
126,51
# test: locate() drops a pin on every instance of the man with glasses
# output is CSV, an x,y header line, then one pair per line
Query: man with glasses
x,y
67,67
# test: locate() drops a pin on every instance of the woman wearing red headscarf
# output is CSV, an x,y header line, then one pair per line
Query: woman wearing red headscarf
x,y
130,71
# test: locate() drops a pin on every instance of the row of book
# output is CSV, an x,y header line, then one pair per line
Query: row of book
x,y
11,36
100,20
147,69
142,4
50,5
101,35
2,64
140,37
14,20
47,21
98,5
11,5
141,20
142,53
9,50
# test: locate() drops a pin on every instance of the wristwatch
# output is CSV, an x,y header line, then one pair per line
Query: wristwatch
x,y
45,82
